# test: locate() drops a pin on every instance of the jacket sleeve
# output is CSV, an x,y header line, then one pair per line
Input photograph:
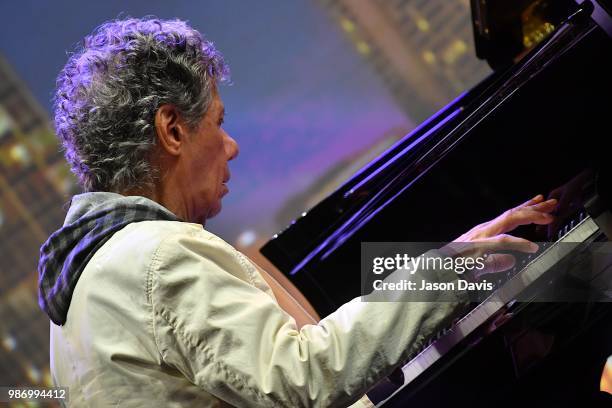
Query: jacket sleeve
x,y
214,324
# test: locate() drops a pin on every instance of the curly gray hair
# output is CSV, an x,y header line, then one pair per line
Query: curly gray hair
x,y
111,87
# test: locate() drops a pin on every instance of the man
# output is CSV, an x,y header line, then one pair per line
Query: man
x,y
150,309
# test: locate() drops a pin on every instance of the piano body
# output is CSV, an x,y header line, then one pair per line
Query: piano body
x,y
541,119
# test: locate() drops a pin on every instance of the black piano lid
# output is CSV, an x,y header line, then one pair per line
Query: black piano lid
x,y
313,224
552,100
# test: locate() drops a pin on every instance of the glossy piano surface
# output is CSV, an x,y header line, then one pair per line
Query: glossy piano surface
x,y
527,129
521,132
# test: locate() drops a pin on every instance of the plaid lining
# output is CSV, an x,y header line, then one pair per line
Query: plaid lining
x,y
68,250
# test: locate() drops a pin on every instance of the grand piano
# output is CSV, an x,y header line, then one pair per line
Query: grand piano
x,y
539,124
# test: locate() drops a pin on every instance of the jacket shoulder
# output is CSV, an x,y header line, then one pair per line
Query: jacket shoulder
x,y
145,237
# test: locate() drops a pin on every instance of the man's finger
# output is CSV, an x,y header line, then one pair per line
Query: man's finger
x,y
512,219
496,263
532,201
503,242
545,206
526,217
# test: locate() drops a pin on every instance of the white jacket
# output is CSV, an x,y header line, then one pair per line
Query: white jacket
x,y
166,314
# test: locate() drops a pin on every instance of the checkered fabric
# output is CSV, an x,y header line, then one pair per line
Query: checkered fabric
x,y
68,250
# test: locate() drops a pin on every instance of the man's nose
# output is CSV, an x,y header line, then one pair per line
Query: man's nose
x,y
231,147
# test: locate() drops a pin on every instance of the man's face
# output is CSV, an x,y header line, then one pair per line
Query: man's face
x,y
209,149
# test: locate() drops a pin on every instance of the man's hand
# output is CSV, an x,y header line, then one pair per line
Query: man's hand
x,y
492,235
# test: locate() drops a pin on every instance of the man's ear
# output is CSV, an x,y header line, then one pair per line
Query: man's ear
x,y
170,129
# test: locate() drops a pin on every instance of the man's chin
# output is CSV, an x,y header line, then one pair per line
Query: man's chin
x,y
213,212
